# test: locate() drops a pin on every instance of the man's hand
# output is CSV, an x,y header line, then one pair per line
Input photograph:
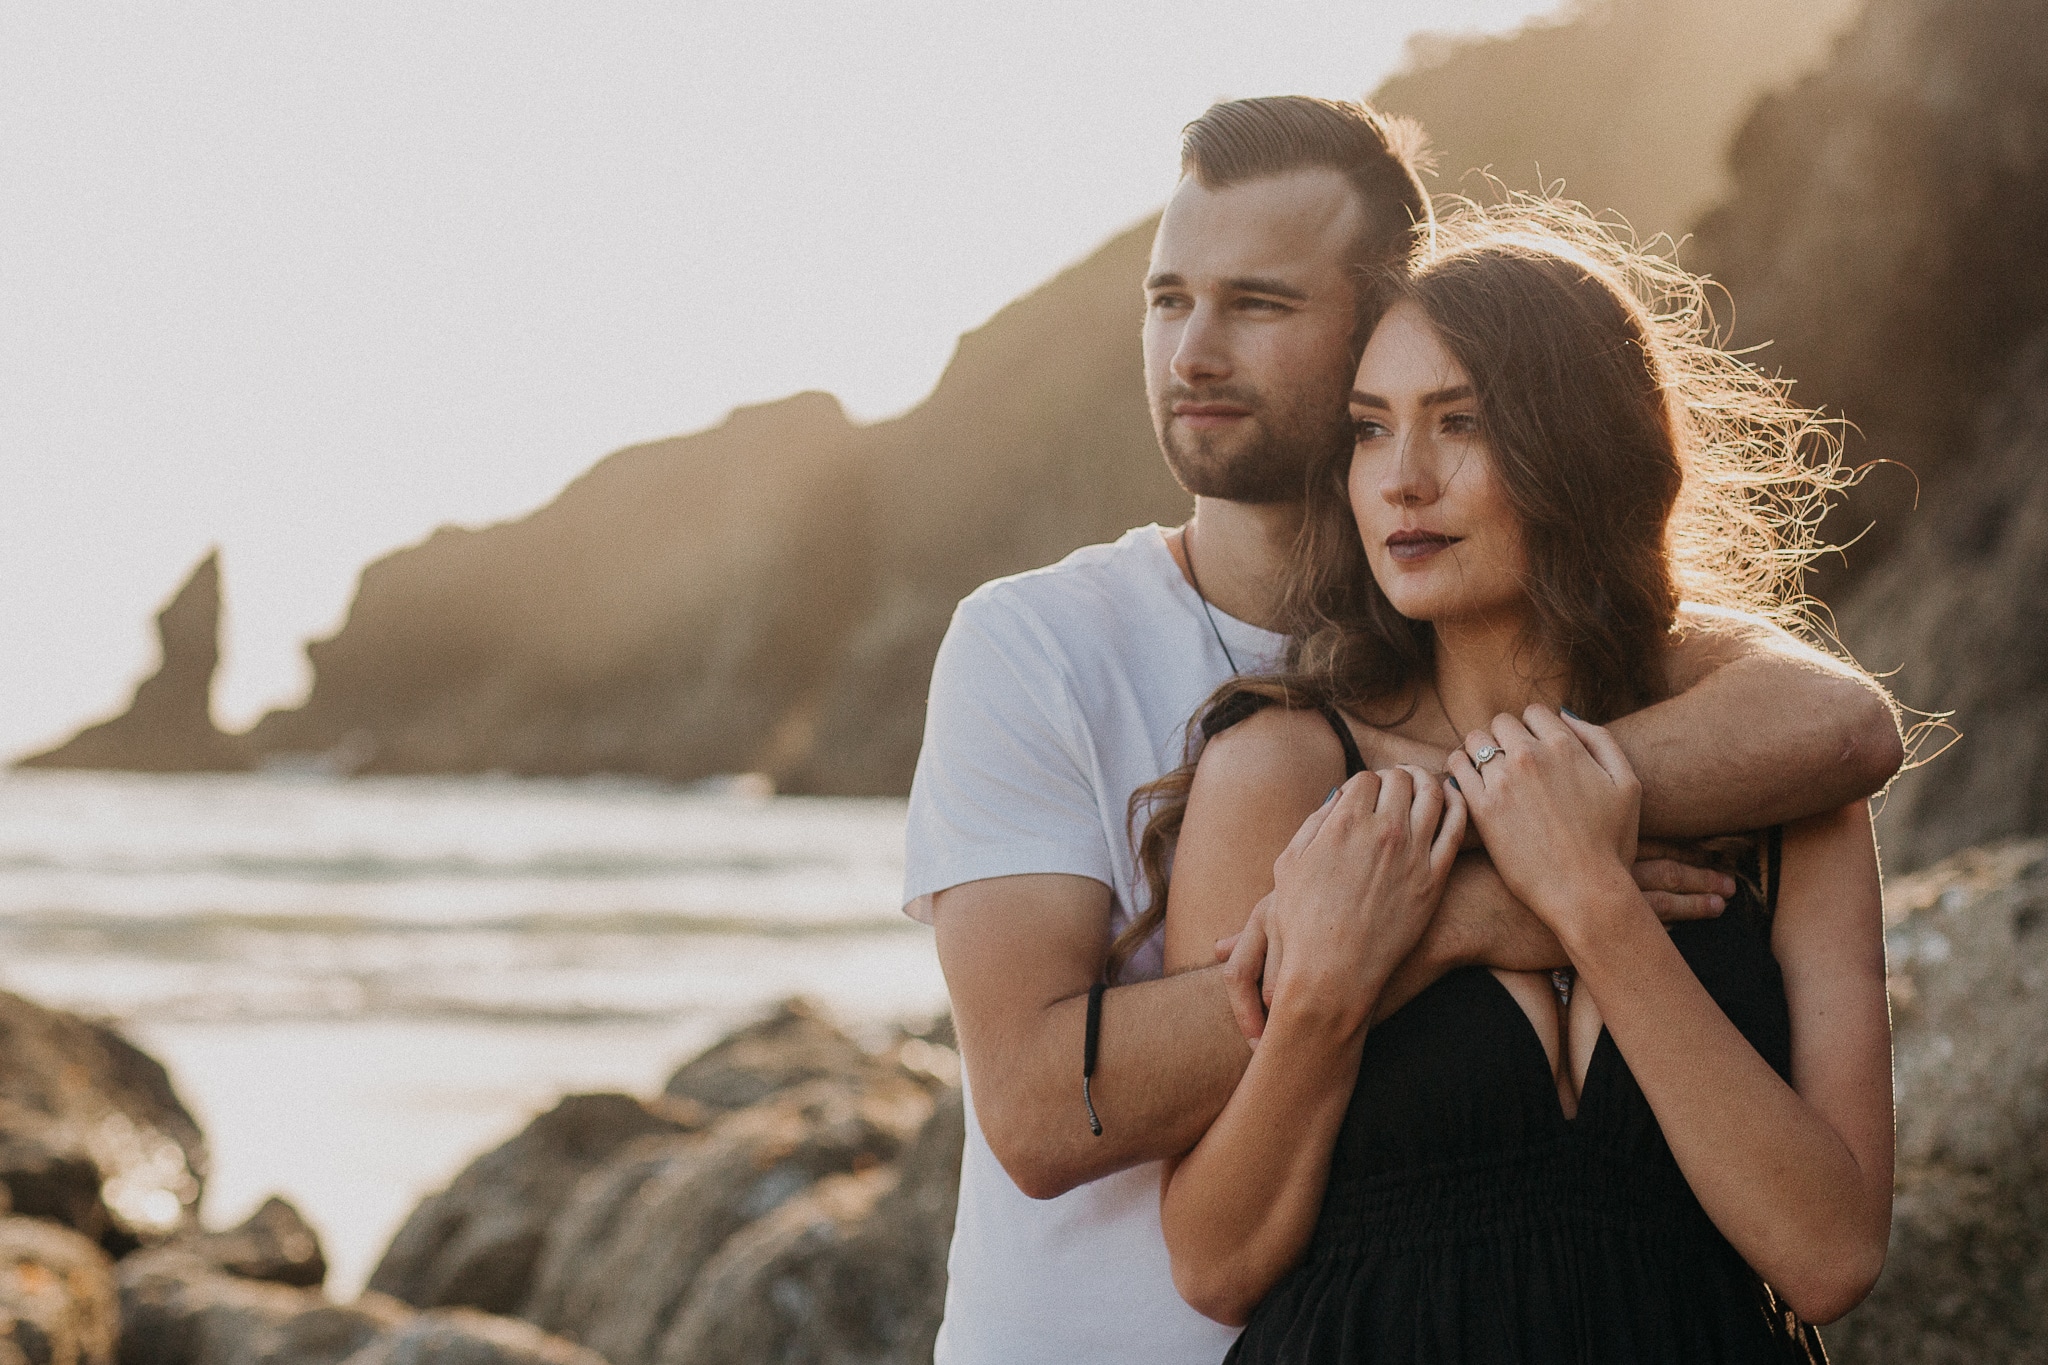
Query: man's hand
x,y
1486,927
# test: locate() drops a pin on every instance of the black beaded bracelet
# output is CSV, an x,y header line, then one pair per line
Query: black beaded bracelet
x,y
1088,1049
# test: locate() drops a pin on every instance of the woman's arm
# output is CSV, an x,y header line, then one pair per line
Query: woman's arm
x,y
1797,1177
1353,886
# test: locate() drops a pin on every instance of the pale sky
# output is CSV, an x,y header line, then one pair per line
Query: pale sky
x,y
307,280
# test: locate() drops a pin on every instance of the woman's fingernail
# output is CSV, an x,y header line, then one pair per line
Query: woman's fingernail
x,y
1454,783
1333,793
1566,710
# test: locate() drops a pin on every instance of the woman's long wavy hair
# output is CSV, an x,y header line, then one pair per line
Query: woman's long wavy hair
x,y
1646,465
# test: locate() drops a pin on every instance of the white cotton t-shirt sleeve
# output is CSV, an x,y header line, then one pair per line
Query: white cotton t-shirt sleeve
x,y
1005,782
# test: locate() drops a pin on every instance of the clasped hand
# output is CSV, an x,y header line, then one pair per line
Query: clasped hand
x,y
1556,805
1354,890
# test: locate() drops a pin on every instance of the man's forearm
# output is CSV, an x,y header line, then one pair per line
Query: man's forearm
x,y
1479,923
1169,1056
1761,740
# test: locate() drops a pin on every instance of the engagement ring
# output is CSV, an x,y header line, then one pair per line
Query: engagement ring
x,y
1487,753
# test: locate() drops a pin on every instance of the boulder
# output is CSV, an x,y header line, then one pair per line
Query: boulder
x,y
1966,1279
794,1044
852,1272
58,1305
475,1243
168,726
179,1310
176,1309
464,1336
274,1244
620,1262
91,1133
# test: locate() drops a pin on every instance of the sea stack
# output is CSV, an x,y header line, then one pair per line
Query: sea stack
x,y
168,726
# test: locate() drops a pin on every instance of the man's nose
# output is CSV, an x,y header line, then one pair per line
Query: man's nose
x,y
1202,355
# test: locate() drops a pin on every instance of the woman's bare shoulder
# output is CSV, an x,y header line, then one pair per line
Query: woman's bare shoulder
x,y
1276,750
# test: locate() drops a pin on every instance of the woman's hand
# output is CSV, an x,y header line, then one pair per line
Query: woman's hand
x,y
1354,891
1556,806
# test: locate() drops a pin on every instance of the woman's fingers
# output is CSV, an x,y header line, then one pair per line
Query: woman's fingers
x,y
1450,835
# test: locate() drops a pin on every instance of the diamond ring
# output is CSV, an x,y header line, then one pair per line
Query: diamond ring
x,y
1486,754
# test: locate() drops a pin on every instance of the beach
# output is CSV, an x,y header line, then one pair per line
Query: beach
x,y
360,984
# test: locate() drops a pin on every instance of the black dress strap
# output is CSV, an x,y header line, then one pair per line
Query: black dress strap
x,y
1244,705
1354,762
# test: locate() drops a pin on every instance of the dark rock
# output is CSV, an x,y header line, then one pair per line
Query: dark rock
x,y
475,1242
1967,1275
620,1260
792,1045
168,726
58,1304
178,1310
851,1273
463,1336
274,1244
91,1133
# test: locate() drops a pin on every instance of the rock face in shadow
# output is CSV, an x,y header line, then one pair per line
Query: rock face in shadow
x,y
1967,1275
57,1300
475,1243
91,1133
1959,614
1887,236
1889,233
168,726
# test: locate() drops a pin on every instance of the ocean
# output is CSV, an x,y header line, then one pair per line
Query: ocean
x,y
358,985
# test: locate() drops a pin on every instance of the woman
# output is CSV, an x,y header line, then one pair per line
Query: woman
x,y
1687,1152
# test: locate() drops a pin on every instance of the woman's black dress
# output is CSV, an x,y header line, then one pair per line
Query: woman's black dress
x,y
1468,1220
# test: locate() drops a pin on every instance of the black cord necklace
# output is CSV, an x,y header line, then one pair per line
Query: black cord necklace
x,y
1187,548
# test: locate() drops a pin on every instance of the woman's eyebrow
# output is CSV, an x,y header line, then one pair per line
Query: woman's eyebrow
x,y
1434,398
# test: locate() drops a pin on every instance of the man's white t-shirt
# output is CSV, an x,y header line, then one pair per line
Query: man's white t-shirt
x,y
1056,694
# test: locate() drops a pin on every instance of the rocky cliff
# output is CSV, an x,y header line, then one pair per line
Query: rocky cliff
x,y
768,595
1629,103
1889,236
168,726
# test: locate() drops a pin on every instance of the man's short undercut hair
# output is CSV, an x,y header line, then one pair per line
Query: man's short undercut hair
x,y
1381,156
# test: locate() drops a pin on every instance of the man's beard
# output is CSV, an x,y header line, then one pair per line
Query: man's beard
x,y
1268,463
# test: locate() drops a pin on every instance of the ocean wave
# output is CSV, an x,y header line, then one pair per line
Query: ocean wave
x,y
387,867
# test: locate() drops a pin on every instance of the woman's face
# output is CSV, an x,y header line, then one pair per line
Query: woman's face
x,y
1442,540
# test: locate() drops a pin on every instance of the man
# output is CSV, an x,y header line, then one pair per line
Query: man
x,y
1057,693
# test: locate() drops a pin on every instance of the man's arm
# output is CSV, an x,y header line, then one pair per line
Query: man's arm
x,y
1019,954
1760,729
